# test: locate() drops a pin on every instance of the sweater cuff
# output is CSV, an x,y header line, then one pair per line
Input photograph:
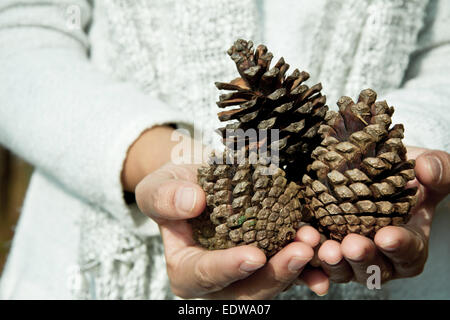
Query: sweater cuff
x,y
128,129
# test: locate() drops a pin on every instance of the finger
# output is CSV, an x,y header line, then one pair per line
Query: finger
x,y
433,182
313,238
433,171
279,272
316,280
333,262
308,235
414,152
405,247
361,252
165,195
195,272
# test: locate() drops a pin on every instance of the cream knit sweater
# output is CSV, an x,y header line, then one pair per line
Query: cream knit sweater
x,y
72,100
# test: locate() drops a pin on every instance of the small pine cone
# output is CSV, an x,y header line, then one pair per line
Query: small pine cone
x,y
247,204
268,99
357,183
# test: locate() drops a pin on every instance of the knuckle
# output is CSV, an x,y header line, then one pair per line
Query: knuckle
x,y
171,267
415,271
161,199
178,284
204,279
181,172
413,267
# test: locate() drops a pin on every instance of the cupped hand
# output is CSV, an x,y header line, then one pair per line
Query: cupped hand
x,y
170,196
399,251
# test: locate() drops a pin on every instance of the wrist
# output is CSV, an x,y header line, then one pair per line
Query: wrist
x,y
148,152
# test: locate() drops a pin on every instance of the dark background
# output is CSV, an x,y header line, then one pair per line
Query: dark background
x,y
14,177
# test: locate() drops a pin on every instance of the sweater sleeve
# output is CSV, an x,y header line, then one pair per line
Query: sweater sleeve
x,y
422,104
69,120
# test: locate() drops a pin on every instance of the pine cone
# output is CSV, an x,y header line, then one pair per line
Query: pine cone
x,y
245,205
270,100
357,182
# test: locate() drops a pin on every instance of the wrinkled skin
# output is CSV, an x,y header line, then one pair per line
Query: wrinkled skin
x,y
170,195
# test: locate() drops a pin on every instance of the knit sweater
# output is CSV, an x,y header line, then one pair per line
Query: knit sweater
x,y
74,97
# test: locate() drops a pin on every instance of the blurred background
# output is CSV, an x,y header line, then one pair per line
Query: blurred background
x,y
14,177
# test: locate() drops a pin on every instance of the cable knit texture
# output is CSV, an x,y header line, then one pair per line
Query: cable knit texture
x,y
171,52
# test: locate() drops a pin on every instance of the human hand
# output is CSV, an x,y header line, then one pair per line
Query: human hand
x,y
399,251
169,196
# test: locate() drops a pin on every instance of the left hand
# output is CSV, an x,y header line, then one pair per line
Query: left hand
x,y
399,251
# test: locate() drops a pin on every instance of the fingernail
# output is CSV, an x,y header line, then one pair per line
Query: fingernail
x,y
249,266
435,167
185,199
295,264
323,294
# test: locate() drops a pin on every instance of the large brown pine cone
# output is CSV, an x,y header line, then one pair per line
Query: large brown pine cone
x,y
357,183
268,99
246,204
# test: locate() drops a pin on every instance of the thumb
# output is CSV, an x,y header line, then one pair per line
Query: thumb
x,y
170,193
433,171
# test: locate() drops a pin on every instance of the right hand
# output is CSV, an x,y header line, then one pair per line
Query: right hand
x,y
169,196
